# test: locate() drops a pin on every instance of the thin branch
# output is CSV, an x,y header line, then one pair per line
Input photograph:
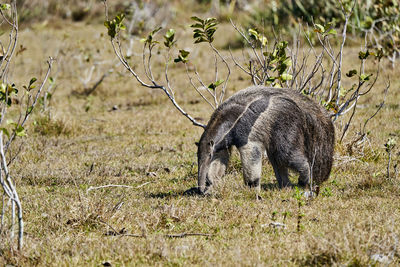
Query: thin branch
x,y
186,234
221,98
30,108
195,87
94,87
380,106
340,55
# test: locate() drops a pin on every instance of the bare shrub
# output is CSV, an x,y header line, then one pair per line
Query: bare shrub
x,y
13,127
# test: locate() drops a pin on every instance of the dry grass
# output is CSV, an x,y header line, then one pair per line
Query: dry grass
x,y
147,145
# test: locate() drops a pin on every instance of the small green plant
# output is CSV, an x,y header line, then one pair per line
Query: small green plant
x,y
169,38
44,125
298,196
278,62
115,25
327,192
273,215
389,147
275,224
182,57
258,38
204,29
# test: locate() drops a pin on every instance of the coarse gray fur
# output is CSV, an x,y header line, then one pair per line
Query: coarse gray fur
x,y
295,132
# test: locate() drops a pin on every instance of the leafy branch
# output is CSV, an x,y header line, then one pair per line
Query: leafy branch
x,y
204,30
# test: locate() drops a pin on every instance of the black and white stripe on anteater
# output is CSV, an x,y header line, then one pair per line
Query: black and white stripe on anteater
x,y
295,132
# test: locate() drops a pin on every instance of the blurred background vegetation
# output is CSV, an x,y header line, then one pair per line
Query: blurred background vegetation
x,y
380,18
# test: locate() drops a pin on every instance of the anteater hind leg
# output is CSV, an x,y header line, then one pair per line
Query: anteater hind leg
x,y
281,173
251,157
300,163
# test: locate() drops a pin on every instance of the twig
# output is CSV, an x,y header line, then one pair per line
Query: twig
x,y
91,90
139,186
186,234
114,232
115,185
118,233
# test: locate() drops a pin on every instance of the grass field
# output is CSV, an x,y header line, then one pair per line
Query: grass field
x,y
123,134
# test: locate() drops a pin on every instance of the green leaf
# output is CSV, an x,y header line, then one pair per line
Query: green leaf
x,y
200,40
287,62
182,57
20,131
149,39
219,82
32,81
204,29
332,32
319,28
367,23
210,20
170,33
271,79
342,92
253,33
286,77
211,25
169,38
197,19
197,35
365,77
283,45
5,6
197,25
263,40
211,86
5,131
115,25
379,53
351,73
363,55
214,85
155,31
184,53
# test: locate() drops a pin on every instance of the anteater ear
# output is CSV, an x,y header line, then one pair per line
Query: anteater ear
x,y
197,144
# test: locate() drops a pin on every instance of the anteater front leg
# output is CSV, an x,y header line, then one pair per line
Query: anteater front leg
x,y
218,166
251,156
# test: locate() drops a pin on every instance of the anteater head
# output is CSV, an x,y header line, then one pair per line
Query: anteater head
x,y
205,153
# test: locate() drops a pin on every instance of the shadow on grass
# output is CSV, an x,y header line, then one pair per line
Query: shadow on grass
x,y
270,187
169,194
194,191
